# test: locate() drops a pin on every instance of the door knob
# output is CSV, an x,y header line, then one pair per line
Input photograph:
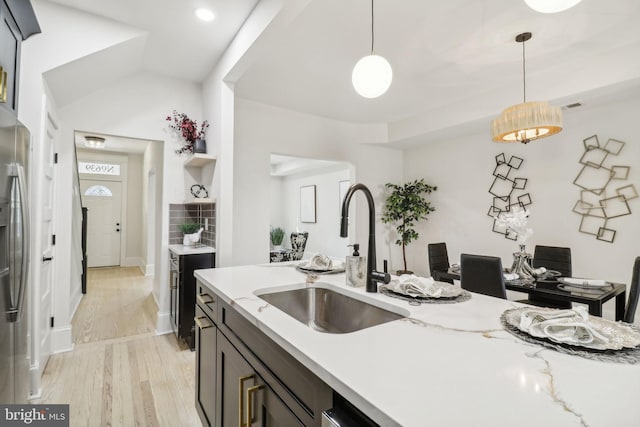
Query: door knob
x,y
46,258
117,229
117,223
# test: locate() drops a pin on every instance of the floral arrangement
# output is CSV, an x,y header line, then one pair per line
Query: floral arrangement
x,y
187,129
516,221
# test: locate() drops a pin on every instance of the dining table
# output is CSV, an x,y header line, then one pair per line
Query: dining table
x,y
548,289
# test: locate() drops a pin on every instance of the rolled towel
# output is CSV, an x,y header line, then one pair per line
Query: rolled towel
x,y
565,326
596,283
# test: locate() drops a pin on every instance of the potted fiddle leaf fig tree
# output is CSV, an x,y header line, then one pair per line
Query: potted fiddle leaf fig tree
x,y
405,207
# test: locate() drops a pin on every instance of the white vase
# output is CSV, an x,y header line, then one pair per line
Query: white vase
x,y
186,240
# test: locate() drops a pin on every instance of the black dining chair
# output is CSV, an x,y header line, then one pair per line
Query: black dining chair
x,y
552,258
483,275
438,261
634,293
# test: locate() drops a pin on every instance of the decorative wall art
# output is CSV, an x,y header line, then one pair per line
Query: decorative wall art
x,y
604,194
308,203
508,191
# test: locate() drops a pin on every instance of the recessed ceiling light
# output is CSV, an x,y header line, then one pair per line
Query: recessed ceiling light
x,y
94,141
205,15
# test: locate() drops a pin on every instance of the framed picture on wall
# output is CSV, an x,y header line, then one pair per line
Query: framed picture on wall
x,y
343,187
308,203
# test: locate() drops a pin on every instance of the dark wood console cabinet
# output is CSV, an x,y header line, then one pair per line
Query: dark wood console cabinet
x,y
182,296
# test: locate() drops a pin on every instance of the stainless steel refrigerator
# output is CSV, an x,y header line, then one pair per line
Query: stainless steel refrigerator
x,y
14,260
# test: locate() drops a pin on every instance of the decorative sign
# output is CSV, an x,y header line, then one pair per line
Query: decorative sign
x,y
98,168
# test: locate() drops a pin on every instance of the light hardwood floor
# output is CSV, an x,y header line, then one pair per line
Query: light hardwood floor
x,y
120,373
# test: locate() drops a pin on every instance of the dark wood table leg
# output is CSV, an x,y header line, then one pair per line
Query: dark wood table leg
x,y
620,300
595,308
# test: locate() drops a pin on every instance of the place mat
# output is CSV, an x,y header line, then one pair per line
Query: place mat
x,y
317,271
625,355
464,296
585,291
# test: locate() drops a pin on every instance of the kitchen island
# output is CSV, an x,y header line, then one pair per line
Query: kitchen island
x,y
443,365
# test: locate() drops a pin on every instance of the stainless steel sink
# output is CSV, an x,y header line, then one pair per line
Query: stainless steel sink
x,y
329,311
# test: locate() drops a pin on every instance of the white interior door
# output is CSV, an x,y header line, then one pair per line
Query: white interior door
x,y
47,245
103,200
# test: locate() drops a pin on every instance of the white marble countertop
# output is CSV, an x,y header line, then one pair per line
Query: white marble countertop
x,y
446,365
188,250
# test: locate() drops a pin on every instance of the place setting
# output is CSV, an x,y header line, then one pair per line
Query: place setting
x,y
574,331
423,290
320,264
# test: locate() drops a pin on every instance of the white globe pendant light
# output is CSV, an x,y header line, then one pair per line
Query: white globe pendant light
x,y
372,74
551,6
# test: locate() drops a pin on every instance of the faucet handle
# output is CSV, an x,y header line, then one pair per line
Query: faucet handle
x,y
380,277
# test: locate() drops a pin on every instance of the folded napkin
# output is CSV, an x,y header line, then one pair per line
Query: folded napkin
x,y
319,262
511,276
412,285
540,270
565,326
584,282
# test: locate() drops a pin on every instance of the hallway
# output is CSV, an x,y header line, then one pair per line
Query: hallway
x,y
120,373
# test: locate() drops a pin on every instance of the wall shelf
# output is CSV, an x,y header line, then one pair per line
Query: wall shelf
x,y
199,160
195,201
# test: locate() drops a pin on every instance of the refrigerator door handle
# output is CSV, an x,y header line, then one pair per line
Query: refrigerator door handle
x,y
18,173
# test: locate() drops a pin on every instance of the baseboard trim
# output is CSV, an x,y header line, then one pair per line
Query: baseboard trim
x,y
146,269
132,262
34,377
163,325
61,339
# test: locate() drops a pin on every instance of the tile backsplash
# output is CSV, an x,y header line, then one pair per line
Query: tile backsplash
x,y
192,212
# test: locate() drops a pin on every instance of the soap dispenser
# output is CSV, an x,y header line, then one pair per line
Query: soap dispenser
x,y
356,268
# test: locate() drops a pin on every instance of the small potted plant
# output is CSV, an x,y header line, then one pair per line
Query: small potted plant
x,y
187,129
405,206
189,229
277,235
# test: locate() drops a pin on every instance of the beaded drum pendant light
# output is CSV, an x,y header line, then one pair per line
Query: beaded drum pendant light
x,y
529,120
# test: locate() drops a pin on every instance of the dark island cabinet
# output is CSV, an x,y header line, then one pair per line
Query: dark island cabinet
x,y
245,397
257,383
17,22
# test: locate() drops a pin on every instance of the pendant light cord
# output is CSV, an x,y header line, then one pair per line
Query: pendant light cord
x,y
524,74
372,27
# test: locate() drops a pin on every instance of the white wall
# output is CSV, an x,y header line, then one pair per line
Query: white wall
x,y
462,168
260,130
137,107
324,233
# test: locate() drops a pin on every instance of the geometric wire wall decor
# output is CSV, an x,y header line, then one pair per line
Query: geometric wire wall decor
x,y
507,191
603,196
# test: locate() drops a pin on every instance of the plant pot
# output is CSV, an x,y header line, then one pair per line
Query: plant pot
x,y
401,272
277,247
200,146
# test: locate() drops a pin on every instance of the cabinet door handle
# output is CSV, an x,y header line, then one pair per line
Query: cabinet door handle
x,y
202,300
3,87
241,382
202,322
250,393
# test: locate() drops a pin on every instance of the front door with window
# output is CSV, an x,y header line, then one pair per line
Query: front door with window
x,y
103,200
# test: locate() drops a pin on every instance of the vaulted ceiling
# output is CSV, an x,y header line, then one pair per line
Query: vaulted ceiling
x,y
454,61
